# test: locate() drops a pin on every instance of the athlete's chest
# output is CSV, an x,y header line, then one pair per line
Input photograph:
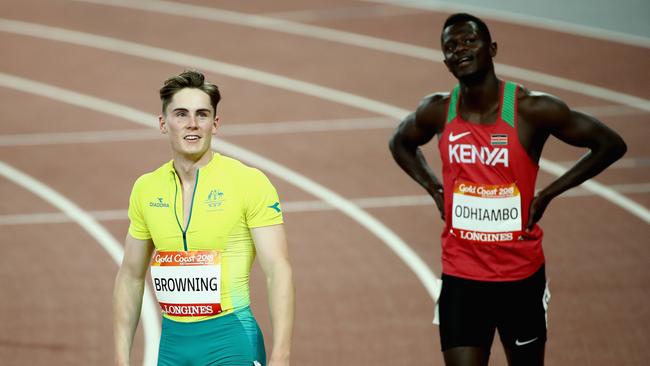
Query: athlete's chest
x,y
465,144
199,218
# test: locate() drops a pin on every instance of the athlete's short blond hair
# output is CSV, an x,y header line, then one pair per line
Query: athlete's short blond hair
x,y
188,79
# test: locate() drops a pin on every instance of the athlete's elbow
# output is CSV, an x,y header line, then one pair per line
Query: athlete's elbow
x,y
392,144
398,146
620,148
279,267
284,271
614,148
280,274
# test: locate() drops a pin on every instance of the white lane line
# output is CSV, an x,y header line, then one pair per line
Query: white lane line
x,y
167,56
343,13
344,124
257,76
298,206
245,129
162,55
523,19
369,42
611,111
202,63
624,163
631,188
242,129
383,233
150,311
59,217
85,137
38,218
607,193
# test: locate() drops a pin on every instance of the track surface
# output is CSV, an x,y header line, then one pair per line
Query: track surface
x,y
358,303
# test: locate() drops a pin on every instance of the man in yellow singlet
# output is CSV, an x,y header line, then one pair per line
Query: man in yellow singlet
x,y
198,222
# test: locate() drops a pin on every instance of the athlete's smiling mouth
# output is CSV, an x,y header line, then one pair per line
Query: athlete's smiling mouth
x,y
464,60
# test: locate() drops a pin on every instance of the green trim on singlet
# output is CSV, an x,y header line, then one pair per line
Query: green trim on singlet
x,y
508,104
184,231
453,101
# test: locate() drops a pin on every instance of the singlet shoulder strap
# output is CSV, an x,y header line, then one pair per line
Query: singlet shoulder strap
x,y
508,109
453,103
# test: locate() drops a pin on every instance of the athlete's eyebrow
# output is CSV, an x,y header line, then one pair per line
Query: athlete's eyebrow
x,y
183,109
199,112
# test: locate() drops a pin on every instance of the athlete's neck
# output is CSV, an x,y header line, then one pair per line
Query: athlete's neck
x,y
187,166
480,98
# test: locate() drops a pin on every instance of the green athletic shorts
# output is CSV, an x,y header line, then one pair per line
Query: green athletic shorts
x,y
230,340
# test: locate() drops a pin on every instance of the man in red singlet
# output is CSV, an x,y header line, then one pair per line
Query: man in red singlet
x,y
490,135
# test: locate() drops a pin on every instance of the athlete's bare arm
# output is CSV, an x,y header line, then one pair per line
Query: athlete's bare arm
x,y
271,246
127,295
541,116
415,130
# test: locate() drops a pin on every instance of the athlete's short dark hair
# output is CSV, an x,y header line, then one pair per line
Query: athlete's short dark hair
x,y
464,17
188,79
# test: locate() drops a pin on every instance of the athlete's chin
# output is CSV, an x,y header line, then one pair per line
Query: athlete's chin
x,y
193,151
462,72
470,77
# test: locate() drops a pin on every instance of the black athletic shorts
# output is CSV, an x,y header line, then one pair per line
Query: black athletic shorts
x,y
470,311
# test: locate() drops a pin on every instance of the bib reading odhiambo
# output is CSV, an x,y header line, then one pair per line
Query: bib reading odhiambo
x,y
486,213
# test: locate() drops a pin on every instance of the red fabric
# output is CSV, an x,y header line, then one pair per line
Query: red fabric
x,y
488,261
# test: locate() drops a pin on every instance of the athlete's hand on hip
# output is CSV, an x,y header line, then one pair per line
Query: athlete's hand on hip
x,y
537,208
439,198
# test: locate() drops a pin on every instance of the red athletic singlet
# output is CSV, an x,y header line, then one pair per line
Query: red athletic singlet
x,y
489,183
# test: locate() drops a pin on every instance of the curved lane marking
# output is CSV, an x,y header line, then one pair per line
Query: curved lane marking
x,y
150,312
393,241
388,237
523,19
281,82
369,42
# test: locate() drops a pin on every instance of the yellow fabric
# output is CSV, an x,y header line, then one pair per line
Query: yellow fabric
x,y
230,198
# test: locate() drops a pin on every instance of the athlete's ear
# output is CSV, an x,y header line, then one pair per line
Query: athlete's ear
x,y
162,124
493,49
216,124
446,64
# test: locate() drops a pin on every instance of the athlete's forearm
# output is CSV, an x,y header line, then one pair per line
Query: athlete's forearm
x,y
281,306
582,130
127,303
590,165
412,161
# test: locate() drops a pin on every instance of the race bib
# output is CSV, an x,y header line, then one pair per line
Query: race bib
x,y
188,283
486,213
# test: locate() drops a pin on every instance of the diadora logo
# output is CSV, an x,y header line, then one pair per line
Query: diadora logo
x,y
215,199
159,203
275,206
470,154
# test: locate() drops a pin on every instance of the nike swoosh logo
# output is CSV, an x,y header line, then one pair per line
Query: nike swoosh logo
x,y
453,138
517,343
